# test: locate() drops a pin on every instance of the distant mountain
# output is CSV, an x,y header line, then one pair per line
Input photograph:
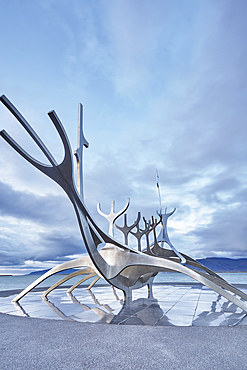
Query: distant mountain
x,y
218,264
41,272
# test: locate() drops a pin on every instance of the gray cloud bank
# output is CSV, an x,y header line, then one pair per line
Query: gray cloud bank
x,y
35,227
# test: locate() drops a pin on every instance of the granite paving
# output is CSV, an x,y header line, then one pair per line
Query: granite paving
x,y
38,344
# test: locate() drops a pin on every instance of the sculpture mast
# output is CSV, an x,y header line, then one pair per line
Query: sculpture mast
x,y
81,141
158,188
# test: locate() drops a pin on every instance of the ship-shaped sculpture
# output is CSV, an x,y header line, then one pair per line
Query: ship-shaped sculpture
x,y
117,263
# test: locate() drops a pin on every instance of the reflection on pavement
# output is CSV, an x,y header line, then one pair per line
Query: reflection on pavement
x,y
174,305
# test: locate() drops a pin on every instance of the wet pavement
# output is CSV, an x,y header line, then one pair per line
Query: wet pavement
x,y
172,305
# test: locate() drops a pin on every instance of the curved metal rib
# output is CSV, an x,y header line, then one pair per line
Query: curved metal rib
x,y
112,216
28,128
163,236
81,281
94,282
66,278
126,229
138,234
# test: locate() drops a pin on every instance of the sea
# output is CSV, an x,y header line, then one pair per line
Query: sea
x,y
22,281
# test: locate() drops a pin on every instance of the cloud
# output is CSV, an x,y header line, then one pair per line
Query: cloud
x,y
225,235
36,227
29,206
163,86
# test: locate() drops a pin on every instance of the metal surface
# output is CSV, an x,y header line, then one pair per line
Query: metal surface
x,y
120,265
79,151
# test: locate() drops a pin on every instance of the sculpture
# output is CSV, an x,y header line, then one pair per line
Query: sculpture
x,y
119,264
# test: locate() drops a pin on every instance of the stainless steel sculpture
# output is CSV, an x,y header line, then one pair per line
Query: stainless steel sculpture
x,y
119,264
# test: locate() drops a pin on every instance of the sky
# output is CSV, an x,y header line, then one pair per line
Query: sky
x,y
163,84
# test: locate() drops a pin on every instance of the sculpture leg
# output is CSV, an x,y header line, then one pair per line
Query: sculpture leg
x,y
81,281
77,263
127,294
150,287
70,276
92,284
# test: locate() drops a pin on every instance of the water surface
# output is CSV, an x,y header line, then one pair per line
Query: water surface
x,y
22,281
